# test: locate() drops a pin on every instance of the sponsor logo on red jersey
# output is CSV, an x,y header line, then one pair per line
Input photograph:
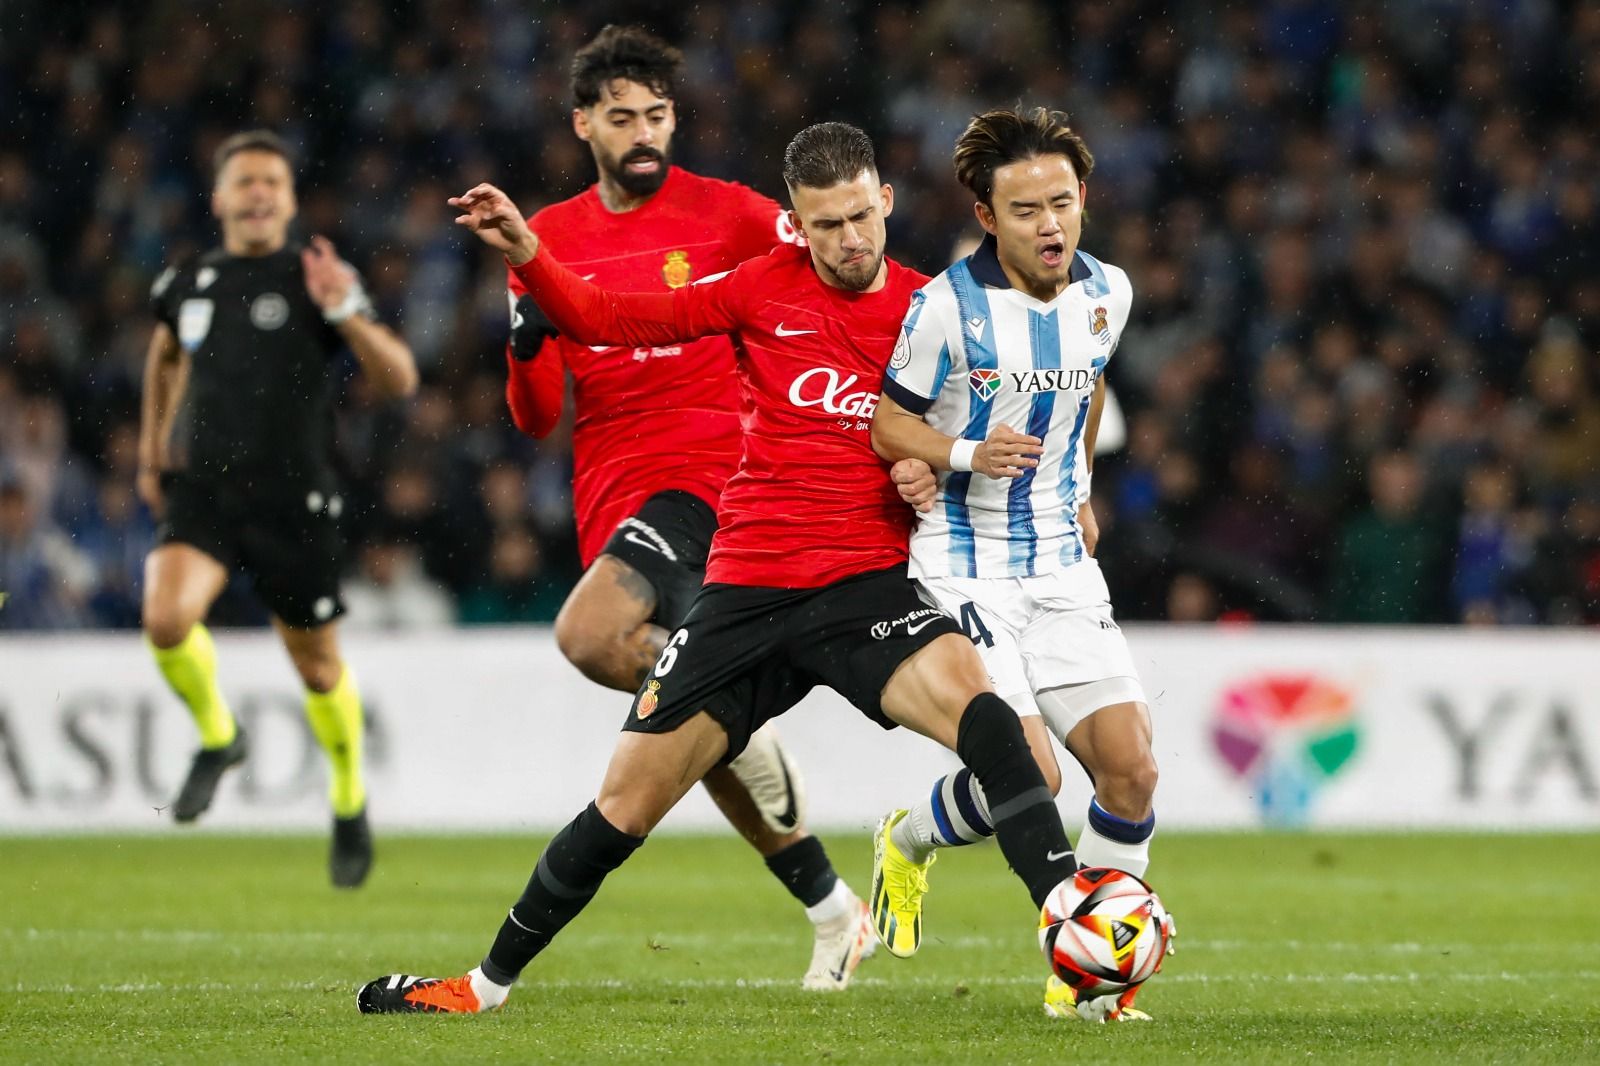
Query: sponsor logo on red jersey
x,y
821,386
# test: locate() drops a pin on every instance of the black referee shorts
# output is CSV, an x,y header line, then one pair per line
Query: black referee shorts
x,y
285,538
667,541
745,655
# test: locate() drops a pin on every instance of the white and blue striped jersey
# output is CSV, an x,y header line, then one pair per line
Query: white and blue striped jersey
x,y
975,352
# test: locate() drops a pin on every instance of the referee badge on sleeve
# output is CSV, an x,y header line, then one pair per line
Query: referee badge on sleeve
x,y
194,322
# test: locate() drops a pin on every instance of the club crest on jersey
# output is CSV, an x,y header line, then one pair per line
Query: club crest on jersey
x,y
647,702
985,383
1099,326
269,311
676,271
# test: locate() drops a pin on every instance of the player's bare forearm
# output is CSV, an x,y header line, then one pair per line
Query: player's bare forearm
x,y
899,434
1091,428
385,359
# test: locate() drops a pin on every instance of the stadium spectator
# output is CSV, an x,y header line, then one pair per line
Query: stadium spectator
x,y
1349,230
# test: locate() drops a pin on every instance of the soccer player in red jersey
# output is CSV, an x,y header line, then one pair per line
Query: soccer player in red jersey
x,y
657,436
806,583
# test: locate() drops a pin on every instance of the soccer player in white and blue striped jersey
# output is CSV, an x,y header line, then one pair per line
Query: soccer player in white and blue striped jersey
x,y
997,384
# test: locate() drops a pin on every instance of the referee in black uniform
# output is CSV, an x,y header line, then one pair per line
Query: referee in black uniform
x,y
245,360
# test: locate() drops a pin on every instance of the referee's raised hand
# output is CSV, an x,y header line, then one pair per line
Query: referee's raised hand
x,y
328,278
489,213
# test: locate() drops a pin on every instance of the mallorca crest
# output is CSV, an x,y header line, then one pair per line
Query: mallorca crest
x,y
647,702
985,383
676,271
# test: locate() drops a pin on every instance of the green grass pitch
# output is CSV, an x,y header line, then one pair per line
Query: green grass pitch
x,y
186,947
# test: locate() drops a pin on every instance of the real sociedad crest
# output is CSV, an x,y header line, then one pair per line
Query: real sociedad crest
x,y
1099,326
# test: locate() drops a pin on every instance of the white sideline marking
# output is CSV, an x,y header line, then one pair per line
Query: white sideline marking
x,y
735,939
138,987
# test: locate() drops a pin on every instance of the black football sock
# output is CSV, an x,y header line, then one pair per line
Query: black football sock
x,y
805,871
990,741
565,879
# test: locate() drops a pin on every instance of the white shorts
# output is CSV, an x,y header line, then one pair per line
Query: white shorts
x,y
1051,634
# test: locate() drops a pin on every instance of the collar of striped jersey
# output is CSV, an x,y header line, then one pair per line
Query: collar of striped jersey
x,y
985,266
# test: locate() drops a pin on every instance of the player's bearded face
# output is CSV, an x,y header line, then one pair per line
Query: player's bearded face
x,y
630,130
844,225
254,200
640,170
1037,218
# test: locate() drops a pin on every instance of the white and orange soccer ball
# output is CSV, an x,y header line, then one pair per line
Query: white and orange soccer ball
x,y
1103,932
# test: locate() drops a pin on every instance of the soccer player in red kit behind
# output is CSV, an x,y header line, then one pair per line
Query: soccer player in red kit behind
x,y
806,583
657,436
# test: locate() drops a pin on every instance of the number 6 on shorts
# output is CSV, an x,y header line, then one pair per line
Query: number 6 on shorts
x,y
669,654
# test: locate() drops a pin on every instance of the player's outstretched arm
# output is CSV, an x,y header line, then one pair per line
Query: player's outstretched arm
x,y
585,313
332,284
901,434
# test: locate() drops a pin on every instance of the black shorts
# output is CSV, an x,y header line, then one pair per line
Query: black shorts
x,y
746,655
285,538
667,540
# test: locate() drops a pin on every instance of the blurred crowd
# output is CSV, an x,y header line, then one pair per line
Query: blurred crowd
x,y
1360,380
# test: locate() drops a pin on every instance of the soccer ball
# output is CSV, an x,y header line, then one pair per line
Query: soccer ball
x,y
1103,931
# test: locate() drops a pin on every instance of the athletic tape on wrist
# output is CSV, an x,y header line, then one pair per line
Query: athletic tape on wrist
x,y
354,303
961,453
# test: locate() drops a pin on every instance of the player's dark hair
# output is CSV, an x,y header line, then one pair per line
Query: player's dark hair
x,y
827,154
628,53
250,141
996,138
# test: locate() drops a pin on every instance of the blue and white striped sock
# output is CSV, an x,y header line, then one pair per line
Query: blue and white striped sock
x,y
1108,840
955,813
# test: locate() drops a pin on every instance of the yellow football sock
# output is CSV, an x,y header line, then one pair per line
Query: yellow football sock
x,y
190,667
335,718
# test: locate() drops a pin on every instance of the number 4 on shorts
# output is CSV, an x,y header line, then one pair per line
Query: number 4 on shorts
x,y
972,625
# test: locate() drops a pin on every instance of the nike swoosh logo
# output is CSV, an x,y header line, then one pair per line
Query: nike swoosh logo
x,y
632,537
1057,856
587,277
912,631
780,331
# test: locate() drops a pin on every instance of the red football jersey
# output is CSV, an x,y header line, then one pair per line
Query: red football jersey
x,y
811,503
649,417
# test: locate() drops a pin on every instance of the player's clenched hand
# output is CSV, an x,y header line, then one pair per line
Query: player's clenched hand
x,y
328,278
489,213
914,478
1006,453
1089,526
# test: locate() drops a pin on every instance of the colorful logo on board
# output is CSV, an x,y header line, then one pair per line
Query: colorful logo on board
x,y
1286,736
